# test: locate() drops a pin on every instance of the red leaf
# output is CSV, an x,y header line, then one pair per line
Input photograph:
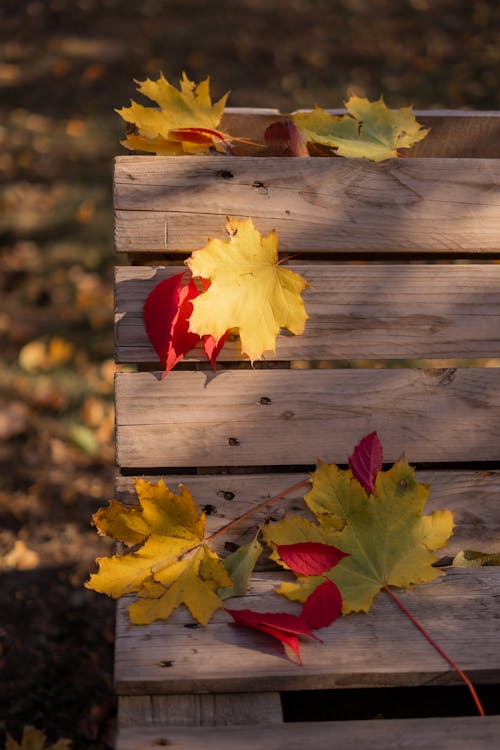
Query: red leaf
x,y
310,558
284,139
282,626
160,310
323,606
167,310
366,461
200,135
212,348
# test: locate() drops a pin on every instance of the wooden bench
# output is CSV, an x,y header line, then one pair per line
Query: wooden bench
x,y
403,338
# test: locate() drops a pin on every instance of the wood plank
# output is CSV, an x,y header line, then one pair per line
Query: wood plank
x,y
450,733
454,133
218,709
173,204
289,417
372,311
457,609
471,496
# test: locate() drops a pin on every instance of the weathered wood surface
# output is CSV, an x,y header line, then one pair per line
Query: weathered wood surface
x,y
451,733
379,648
284,417
454,133
200,710
379,311
473,497
171,204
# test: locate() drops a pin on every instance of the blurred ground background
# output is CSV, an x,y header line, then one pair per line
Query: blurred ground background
x,y
64,66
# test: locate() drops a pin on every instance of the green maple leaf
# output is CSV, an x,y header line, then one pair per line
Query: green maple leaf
x,y
388,540
370,129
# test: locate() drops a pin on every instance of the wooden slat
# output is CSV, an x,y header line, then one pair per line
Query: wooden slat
x,y
356,311
471,496
200,710
454,133
458,609
283,417
173,204
453,733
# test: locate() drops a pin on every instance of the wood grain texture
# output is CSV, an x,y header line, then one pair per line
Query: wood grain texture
x,y
372,311
458,609
217,709
471,496
450,733
173,204
286,417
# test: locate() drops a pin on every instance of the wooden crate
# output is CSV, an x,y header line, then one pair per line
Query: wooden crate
x,y
404,339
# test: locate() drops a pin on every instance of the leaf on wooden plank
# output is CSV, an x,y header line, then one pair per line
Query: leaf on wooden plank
x,y
323,606
366,461
239,566
166,312
126,525
184,122
472,559
173,565
281,625
35,739
388,540
370,129
285,139
310,558
249,290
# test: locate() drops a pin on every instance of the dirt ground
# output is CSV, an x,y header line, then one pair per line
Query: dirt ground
x,y
65,66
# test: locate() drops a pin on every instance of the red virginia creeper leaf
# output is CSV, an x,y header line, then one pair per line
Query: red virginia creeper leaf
x,y
160,310
310,558
366,461
281,625
285,139
201,136
212,349
167,310
323,606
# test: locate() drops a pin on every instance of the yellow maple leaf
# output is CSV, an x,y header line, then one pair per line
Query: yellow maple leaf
x,y
34,739
249,291
173,565
388,540
370,129
185,122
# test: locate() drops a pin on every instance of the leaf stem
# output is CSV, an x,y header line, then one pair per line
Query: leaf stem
x,y
440,651
252,512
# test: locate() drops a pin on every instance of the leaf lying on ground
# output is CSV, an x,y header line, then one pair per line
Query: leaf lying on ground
x,y
35,739
370,129
471,559
249,291
186,121
167,310
172,566
387,539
